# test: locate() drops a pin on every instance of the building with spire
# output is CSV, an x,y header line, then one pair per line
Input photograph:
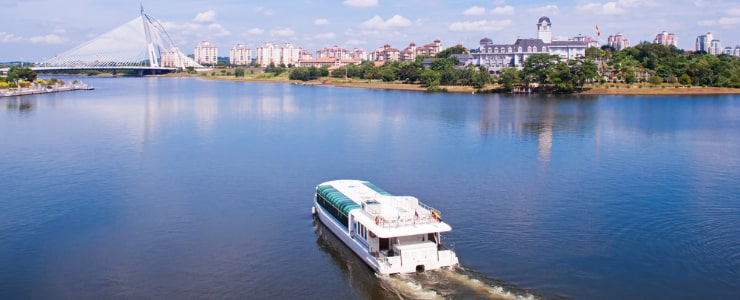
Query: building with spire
x,y
498,56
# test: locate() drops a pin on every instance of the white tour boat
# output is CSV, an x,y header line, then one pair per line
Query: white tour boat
x,y
391,234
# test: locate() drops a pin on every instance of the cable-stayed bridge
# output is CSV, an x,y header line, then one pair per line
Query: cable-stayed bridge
x,y
141,44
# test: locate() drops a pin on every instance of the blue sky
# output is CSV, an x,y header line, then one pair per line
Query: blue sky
x,y
35,30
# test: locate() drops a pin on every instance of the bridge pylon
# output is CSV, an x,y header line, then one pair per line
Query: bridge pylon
x,y
128,46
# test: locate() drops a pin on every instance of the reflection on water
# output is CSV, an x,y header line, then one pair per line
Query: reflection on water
x,y
20,104
538,115
167,181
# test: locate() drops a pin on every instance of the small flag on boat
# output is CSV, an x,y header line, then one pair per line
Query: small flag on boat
x,y
435,214
598,33
416,215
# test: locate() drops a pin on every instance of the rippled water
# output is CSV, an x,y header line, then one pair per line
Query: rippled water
x,y
183,188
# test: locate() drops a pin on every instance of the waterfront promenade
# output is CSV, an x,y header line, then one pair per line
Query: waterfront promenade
x,y
45,89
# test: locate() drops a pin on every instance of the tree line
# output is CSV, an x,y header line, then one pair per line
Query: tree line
x,y
657,63
654,64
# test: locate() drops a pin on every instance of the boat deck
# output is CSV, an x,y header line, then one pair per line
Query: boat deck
x,y
391,215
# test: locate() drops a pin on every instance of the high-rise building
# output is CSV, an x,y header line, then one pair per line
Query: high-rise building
x,y
267,54
666,39
703,42
715,48
240,55
289,54
206,53
333,52
272,53
174,58
618,41
732,51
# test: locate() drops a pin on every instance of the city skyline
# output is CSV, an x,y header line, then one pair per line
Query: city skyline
x,y
366,24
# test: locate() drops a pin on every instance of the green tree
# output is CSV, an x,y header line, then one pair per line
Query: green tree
x,y
481,78
447,53
410,72
539,67
593,53
685,79
655,80
18,73
323,71
584,70
509,78
388,75
430,78
239,72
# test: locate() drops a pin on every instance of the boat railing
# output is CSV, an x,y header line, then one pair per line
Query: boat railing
x,y
416,219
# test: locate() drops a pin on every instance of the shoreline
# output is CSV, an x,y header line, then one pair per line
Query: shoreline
x,y
621,89
45,90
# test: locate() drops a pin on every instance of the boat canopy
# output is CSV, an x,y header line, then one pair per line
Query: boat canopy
x,y
376,188
340,201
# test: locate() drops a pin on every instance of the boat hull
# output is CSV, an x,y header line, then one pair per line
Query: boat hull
x,y
344,236
388,265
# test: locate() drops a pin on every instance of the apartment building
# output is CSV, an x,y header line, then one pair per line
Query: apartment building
x,y
240,55
288,54
206,53
666,39
618,41
412,51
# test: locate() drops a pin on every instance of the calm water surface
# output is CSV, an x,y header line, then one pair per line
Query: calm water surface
x,y
184,188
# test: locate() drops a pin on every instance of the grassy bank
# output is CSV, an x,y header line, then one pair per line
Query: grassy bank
x,y
607,89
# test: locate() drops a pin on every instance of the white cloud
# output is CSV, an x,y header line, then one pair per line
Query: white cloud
x,y
256,31
204,17
8,37
321,21
724,22
475,11
734,12
613,7
377,22
483,25
361,3
549,10
609,8
262,10
356,42
503,10
47,39
218,30
198,30
282,31
325,36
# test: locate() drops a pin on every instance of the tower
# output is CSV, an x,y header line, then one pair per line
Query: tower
x,y
544,30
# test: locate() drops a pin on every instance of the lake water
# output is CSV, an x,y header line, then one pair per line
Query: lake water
x,y
185,188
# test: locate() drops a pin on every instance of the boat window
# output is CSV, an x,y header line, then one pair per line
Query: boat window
x,y
384,244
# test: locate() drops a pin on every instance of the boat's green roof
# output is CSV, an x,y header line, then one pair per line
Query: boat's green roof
x,y
376,189
341,201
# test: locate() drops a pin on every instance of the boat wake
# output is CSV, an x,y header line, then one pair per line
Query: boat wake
x,y
451,284
458,283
